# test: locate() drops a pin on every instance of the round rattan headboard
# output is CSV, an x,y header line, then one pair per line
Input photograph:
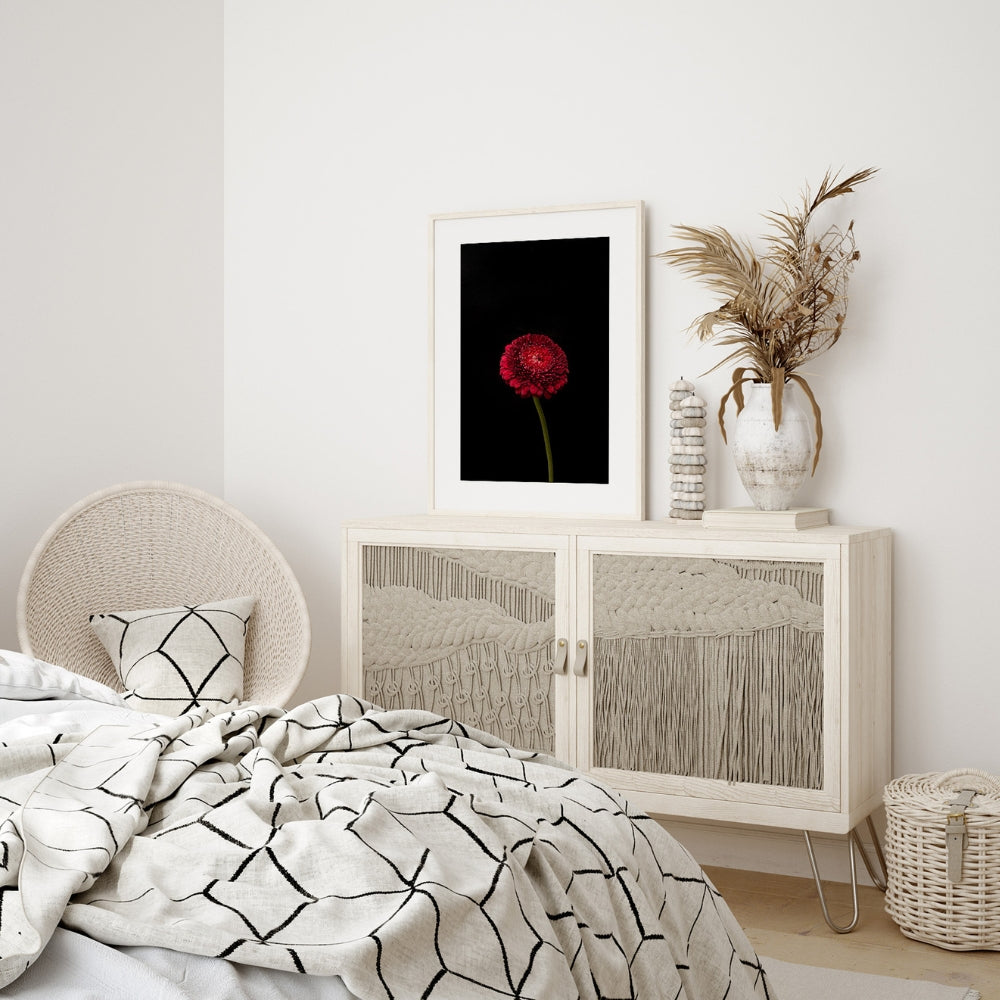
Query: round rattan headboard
x,y
152,545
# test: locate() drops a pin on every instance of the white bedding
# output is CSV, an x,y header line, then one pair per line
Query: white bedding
x,y
39,698
395,850
40,718
75,967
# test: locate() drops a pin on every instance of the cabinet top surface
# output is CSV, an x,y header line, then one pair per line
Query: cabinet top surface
x,y
643,529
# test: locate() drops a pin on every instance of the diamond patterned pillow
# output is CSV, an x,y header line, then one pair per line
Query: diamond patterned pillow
x,y
173,659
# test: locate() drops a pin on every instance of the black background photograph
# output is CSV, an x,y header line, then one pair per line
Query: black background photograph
x,y
558,288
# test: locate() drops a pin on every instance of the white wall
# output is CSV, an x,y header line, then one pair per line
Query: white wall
x,y
349,123
110,256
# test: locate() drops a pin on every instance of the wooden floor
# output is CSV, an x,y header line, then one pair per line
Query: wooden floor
x,y
783,919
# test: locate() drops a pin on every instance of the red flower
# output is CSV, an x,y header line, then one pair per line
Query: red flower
x,y
534,365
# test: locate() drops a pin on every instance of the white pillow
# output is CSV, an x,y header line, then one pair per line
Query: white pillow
x,y
171,660
23,678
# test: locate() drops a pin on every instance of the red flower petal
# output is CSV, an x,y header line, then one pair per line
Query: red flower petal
x,y
534,365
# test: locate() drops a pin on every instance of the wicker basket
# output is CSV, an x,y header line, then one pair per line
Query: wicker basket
x,y
921,898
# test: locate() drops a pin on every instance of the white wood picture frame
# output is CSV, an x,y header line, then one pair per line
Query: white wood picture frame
x,y
496,276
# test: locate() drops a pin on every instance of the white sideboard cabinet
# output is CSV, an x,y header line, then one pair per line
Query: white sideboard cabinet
x,y
719,674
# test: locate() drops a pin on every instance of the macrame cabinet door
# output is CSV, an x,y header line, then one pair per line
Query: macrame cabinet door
x,y
468,633
709,668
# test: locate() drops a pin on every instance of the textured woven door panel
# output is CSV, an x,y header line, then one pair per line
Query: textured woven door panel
x,y
709,668
466,633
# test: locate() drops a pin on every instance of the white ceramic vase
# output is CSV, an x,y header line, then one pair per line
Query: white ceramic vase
x,y
772,463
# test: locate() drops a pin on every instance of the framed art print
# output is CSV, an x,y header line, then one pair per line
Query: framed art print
x,y
537,361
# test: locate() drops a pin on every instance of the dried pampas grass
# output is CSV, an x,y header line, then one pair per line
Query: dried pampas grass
x,y
783,306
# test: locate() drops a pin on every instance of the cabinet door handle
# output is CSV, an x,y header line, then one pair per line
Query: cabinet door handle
x,y
562,651
580,660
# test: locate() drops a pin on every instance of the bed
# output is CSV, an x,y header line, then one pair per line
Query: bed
x,y
176,833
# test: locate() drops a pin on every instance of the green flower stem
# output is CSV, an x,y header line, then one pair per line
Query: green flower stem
x,y
545,434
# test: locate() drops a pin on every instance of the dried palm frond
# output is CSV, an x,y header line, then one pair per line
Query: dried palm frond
x,y
782,307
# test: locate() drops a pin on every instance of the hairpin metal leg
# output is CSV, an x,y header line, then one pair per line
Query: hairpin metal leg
x,y
878,880
847,928
853,841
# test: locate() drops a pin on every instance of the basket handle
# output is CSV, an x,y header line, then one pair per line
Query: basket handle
x,y
981,780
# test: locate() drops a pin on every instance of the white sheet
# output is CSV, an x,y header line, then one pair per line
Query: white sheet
x,y
20,720
73,967
26,678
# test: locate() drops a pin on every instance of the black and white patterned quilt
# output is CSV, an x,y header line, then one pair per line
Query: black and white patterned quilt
x,y
398,850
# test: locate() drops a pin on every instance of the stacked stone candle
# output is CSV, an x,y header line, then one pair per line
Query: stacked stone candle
x,y
687,452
